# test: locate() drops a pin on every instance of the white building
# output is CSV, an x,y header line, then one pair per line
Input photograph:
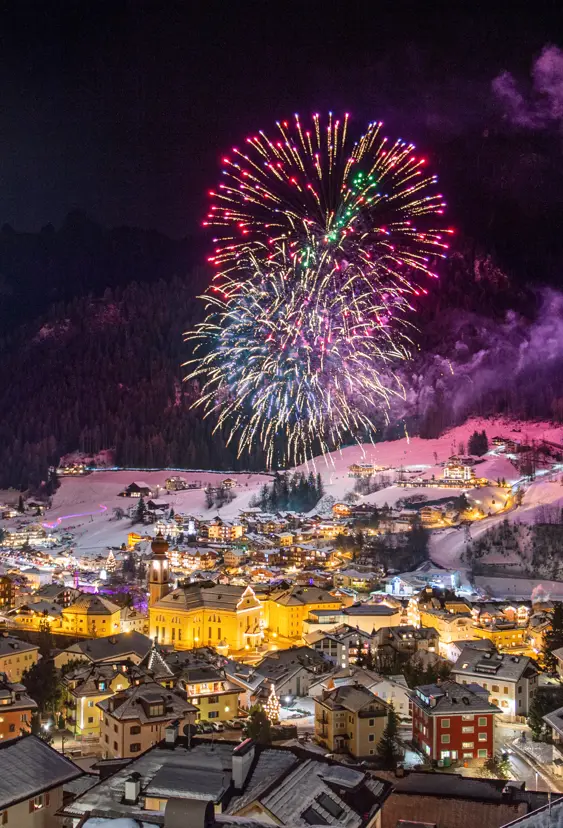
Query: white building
x,y
456,470
510,680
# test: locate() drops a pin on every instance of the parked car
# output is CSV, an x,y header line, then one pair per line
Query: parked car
x,y
206,727
218,727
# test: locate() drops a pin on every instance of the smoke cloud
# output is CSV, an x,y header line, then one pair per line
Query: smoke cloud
x,y
540,104
515,365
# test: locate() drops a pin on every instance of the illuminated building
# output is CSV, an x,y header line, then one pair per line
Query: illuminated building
x,y
286,610
350,719
16,708
92,616
158,570
456,470
211,692
16,657
207,614
511,680
135,719
453,722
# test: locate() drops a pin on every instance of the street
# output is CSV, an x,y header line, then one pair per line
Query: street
x,y
521,767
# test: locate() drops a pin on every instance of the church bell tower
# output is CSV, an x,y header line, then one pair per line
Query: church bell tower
x,y
158,570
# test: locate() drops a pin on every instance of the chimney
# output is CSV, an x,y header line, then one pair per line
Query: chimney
x,y
132,788
243,756
171,734
197,813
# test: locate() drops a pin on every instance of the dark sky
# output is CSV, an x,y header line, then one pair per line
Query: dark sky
x,y
123,109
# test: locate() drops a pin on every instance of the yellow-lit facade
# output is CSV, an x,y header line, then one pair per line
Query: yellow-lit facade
x,y
343,730
502,638
215,700
218,619
85,716
90,619
16,657
225,531
284,614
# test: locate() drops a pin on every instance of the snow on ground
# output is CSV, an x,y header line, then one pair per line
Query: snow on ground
x,y
84,505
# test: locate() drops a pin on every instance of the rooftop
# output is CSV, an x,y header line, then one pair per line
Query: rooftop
x,y
112,647
451,697
493,664
28,766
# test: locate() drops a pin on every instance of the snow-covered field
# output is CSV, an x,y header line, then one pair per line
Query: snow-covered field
x,y
84,505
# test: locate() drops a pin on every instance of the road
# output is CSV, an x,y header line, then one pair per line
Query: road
x,y
521,768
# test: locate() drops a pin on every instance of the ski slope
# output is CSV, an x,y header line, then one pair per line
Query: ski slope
x,y
84,505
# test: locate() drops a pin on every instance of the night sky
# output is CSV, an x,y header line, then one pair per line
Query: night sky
x,y
123,109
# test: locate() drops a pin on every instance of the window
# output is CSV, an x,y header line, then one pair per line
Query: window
x,y
35,804
115,728
467,718
371,751
445,722
12,728
213,700
90,704
4,817
213,714
219,633
90,719
482,737
467,745
371,722
134,730
106,737
371,737
135,747
445,738
505,690
482,721
115,745
482,754
495,688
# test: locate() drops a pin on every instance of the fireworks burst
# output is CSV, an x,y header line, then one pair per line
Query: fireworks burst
x,y
370,202
320,244
292,357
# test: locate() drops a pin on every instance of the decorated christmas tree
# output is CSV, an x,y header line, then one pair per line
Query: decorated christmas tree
x,y
273,706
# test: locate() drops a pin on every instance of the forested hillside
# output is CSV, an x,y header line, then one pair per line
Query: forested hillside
x,y
101,369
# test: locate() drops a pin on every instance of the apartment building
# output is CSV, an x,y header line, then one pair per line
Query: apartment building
x,y
350,719
511,680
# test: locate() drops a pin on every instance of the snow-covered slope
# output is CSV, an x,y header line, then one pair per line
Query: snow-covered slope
x,y
85,505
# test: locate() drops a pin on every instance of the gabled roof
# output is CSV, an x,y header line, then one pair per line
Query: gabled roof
x,y
449,697
479,664
92,605
112,647
132,704
155,664
28,767
10,645
206,594
352,697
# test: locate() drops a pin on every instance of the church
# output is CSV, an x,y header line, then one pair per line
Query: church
x,y
202,614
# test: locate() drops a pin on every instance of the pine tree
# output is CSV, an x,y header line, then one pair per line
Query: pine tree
x,y
258,725
388,748
140,511
553,638
21,506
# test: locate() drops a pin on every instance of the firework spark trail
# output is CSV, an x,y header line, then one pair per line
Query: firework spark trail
x,y
320,243
292,352
369,200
